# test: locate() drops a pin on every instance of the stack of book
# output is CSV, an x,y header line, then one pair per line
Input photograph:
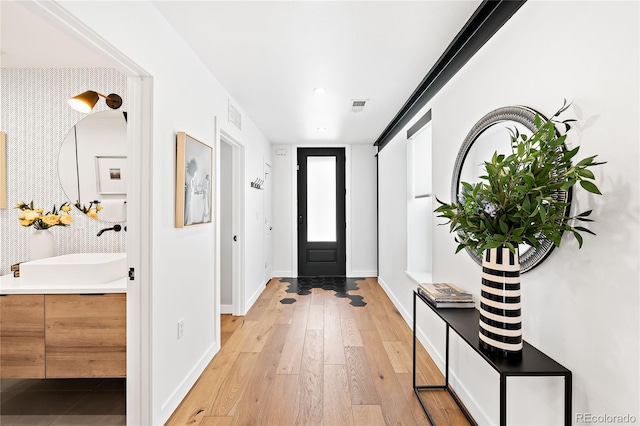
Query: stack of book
x,y
446,295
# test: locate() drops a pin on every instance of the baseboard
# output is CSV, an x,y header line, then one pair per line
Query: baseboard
x,y
471,405
226,309
174,400
283,274
364,274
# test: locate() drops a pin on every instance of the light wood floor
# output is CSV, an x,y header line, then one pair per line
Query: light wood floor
x,y
318,361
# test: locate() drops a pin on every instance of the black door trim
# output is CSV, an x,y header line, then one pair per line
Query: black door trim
x,y
330,257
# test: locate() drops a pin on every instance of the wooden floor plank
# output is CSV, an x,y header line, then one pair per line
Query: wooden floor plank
x,y
197,402
309,403
243,333
216,421
316,317
363,390
231,390
400,355
251,408
385,328
395,408
228,325
337,402
333,343
257,310
367,415
286,313
291,358
318,296
280,405
271,288
350,333
260,335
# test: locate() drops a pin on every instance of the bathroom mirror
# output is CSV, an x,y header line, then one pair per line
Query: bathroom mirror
x,y
489,135
92,165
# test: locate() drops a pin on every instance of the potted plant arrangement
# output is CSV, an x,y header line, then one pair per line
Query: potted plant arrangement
x,y
513,204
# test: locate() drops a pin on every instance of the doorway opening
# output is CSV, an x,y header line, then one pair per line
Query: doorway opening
x,y
230,210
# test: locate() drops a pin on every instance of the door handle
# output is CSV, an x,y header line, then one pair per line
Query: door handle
x,y
271,228
235,238
300,220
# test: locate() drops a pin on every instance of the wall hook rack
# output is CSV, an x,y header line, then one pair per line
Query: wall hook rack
x,y
257,184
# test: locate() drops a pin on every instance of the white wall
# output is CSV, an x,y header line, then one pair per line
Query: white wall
x,y
186,98
587,52
361,210
283,208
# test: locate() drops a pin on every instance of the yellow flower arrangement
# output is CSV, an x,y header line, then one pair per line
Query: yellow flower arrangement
x,y
36,217
90,210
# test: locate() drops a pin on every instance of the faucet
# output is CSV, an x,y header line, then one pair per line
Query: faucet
x,y
116,228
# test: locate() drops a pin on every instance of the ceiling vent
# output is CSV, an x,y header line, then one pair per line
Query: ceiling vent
x,y
357,105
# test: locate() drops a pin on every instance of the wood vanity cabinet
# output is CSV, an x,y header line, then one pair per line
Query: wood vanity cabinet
x,y
85,335
22,336
63,335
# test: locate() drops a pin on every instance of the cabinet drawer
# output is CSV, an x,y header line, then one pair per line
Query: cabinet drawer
x,y
86,335
22,336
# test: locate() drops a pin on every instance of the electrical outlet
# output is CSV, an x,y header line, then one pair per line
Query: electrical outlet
x,y
180,328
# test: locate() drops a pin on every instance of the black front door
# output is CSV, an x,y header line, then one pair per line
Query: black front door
x,y
321,212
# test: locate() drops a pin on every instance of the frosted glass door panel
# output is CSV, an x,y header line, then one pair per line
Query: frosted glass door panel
x,y
321,199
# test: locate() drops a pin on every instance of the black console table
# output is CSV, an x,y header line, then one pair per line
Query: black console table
x,y
465,323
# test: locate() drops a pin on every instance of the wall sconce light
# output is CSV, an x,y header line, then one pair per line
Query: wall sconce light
x,y
84,102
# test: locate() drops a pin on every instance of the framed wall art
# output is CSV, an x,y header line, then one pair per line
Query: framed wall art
x,y
111,175
194,161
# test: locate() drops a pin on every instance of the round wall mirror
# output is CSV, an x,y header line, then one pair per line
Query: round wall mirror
x,y
491,134
92,166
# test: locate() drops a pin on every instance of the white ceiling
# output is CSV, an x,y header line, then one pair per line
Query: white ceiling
x,y
270,55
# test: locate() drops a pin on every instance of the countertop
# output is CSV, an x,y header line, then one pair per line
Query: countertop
x,y
11,285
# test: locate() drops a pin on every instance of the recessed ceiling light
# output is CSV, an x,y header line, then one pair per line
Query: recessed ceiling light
x,y
322,129
319,90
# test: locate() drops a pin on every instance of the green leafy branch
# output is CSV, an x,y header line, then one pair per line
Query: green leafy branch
x,y
516,200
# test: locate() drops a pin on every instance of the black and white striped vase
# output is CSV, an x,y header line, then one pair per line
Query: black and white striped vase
x,y
500,314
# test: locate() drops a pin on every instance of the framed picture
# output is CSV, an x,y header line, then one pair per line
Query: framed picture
x,y
193,181
111,176
3,170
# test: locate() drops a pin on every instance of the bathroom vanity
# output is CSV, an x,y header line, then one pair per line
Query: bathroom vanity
x,y
62,331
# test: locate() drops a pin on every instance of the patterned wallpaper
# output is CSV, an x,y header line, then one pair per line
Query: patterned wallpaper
x,y
36,118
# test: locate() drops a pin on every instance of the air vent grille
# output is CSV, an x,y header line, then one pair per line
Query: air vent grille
x,y
357,105
235,117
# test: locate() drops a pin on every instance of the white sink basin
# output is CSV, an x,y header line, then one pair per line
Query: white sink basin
x,y
76,268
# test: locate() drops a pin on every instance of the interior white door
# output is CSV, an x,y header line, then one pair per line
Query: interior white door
x,y
226,228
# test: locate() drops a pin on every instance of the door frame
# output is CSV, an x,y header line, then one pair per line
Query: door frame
x,y
139,235
238,225
294,203
337,267
267,200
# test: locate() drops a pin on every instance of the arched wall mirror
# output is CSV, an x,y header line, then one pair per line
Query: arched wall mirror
x,y
491,134
92,165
